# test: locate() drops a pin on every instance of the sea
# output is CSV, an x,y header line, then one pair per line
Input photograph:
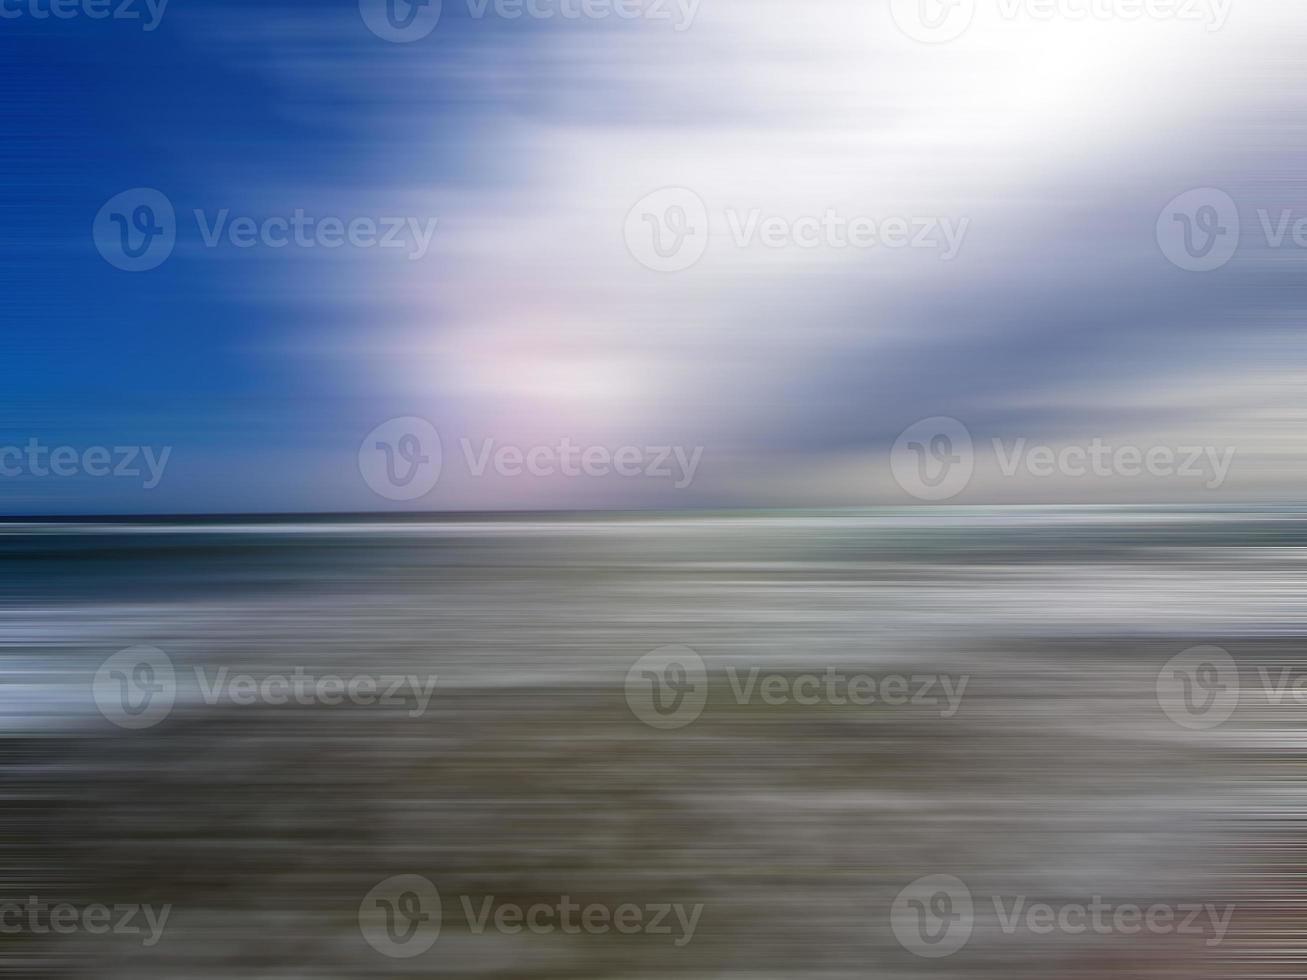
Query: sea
x,y
812,726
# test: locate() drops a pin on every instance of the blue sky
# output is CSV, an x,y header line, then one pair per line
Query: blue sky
x,y
529,319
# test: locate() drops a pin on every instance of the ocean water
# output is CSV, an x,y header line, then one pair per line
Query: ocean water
x,y
1019,741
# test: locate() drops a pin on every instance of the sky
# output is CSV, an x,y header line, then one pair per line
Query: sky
x,y
627,254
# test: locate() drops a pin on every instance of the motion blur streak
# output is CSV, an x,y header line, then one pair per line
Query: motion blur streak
x,y
1062,777
618,353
